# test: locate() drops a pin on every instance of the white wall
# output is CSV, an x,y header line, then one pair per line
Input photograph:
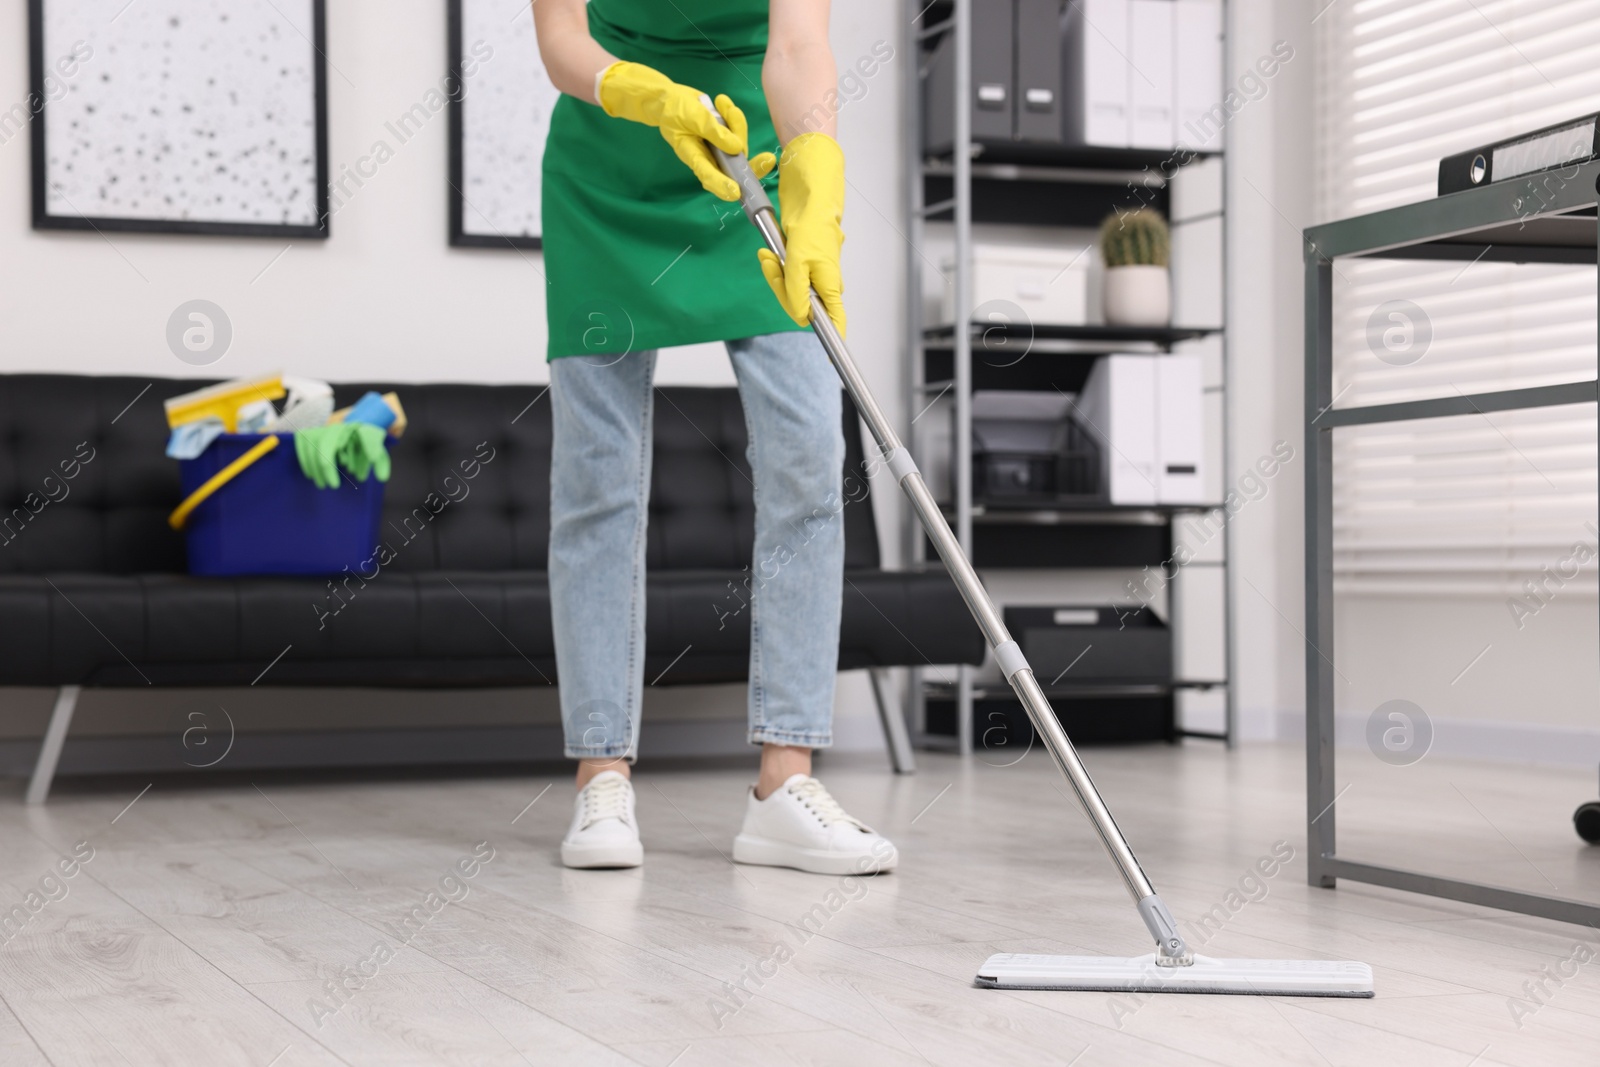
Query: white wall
x,y
1531,696
1269,202
1487,688
385,296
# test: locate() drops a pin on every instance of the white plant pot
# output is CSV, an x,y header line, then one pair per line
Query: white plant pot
x,y
1138,296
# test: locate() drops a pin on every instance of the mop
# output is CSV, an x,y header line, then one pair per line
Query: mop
x,y
1172,968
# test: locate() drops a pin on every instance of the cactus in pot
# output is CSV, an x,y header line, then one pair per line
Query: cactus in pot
x,y
1135,247
1135,238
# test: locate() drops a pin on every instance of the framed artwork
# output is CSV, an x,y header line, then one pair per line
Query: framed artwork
x,y
179,116
499,117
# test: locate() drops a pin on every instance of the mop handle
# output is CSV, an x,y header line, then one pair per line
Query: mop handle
x,y
1008,655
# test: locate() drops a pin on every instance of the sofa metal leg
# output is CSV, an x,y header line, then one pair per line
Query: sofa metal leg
x,y
55,737
895,735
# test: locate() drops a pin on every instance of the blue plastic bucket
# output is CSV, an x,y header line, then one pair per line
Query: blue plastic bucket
x,y
270,519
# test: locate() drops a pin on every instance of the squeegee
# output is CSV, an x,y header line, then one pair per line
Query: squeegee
x,y
1172,967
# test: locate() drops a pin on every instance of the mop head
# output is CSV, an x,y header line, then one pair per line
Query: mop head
x,y
1106,974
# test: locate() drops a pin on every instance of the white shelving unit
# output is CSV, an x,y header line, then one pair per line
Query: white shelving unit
x,y
1076,180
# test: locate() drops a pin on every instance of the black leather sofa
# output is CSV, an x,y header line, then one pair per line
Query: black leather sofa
x,y
93,589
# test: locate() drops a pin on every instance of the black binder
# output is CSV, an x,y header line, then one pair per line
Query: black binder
x,y
1551,148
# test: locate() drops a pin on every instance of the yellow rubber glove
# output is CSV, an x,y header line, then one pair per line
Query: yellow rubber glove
x,y
811,201
639,93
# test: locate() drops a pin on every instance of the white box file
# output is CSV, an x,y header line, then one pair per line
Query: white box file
x,y
1094,65
1145,412
1152,85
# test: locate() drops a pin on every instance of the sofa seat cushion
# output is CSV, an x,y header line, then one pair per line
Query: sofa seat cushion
x,y
439,628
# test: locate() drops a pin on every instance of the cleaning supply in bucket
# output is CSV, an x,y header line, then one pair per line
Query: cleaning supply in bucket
x,y
255,417
310,404
192,438
223,400
353,439
379,410
356,446
243,405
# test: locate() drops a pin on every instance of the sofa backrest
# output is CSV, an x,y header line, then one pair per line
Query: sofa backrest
x,y
85,484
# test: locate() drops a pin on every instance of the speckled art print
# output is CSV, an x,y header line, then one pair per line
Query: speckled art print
x,y
499,117
185,116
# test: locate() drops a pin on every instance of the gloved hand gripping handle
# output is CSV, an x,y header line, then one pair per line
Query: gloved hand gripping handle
x,y
752,196
1171,949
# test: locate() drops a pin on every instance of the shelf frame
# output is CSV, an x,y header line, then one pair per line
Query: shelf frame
x,y
1083,167
1163,337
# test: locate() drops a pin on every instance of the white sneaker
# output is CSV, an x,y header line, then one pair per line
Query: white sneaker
x,y
801,826
603,831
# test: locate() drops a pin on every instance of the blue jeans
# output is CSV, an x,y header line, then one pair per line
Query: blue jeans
x,y
599,496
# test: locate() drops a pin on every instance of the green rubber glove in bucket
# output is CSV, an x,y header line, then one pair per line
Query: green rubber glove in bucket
x,y
355,446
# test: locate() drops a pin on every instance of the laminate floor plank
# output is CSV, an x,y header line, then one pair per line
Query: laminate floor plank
x,y
432,1017
16,1046
609,985
250,926
808,1048
96,982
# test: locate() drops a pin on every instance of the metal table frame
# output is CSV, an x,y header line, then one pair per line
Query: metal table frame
x,y
1543,218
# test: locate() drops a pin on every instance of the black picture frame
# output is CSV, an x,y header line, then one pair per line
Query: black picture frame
x,y
44,220
459,236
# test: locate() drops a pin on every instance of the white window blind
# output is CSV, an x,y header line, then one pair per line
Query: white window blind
x,y
1475,504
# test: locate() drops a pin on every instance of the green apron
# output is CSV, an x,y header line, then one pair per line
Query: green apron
x,y
637,255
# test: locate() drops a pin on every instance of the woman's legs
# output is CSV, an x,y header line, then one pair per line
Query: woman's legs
x,y
792,409
599,496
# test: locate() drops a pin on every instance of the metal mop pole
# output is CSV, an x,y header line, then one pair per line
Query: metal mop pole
x,y
1172,950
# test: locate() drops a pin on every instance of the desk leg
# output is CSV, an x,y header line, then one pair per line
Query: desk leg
x,y
1319,573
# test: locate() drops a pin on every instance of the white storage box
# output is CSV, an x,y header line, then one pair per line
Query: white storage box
x,y
1118,405
1050,285
1145,411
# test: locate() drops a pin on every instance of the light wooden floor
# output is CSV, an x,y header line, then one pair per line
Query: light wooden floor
x,y
208,923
